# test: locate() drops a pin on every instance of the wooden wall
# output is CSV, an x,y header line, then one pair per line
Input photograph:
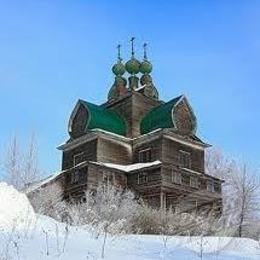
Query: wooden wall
x,y
152,184
154,145
133,108
171,154
95,176
113,152
141,106
76,190
90,154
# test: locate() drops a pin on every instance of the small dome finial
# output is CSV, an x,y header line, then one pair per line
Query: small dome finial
x,y
119,88
132,66
145,54
119,68
132,47
119,52
146,66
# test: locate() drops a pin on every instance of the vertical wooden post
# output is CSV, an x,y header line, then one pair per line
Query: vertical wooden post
x,y
162,201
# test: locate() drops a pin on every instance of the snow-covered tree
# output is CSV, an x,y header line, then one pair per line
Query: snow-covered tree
x,y
246,189
12,164
20,168
240,191
30,169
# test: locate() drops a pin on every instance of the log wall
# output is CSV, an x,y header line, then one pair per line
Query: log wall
x,y
171,154
88,149
114,152
133,108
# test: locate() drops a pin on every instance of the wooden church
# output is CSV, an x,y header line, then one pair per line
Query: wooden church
x,y
136,141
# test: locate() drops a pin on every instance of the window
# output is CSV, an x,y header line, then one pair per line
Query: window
x,y
193,182
142,178
145,155
78,158
75,177
185,161
210,186
78,176
108,178
217,187
176,177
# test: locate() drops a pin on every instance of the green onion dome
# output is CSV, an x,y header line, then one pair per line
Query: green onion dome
x,y
133,66
119,68
146,67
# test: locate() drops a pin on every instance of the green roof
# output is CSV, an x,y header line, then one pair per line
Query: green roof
x,y
103,118
159,117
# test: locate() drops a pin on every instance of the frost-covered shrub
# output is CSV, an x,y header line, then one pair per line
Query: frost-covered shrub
x,y
106,206
112,210
145,220
108,212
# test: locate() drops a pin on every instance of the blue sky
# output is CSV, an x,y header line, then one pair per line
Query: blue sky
x,y
54,52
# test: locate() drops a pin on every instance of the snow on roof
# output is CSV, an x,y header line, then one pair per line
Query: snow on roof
x,y
129,167
38,184
139,88
190,170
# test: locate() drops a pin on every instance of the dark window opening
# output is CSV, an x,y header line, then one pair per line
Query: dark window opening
x,y
217,187
108,178
142,178
145,156
210,186
185,160
77,177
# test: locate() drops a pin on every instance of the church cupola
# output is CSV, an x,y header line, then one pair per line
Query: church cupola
x,y
119,87
146,79
146,66
133,67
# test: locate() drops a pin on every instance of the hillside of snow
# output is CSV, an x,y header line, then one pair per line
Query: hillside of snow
x,y
26,235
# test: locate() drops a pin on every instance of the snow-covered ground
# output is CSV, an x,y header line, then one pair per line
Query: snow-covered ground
x,y
44,238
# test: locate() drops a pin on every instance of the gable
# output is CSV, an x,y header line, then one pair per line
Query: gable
x,y
183,117
79,122
177,114
87,116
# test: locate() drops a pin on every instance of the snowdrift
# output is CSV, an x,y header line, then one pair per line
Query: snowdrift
x,y
15,209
